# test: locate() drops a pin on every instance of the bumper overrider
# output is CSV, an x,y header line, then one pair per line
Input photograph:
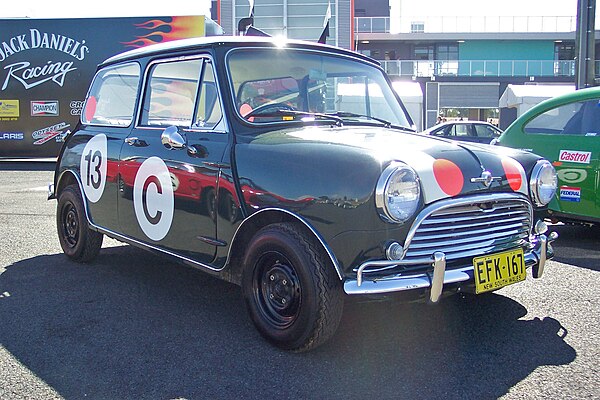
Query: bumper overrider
x,y
535,259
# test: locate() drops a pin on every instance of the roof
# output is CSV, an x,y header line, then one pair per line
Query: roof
x,y
210,41
519,94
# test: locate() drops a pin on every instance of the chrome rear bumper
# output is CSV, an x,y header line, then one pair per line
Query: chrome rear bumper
x,y
439,276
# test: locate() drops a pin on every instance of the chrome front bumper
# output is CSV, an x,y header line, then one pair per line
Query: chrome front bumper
x,y
438,277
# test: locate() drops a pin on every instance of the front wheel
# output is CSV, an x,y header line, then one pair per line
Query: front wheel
x,y
292,291
77,240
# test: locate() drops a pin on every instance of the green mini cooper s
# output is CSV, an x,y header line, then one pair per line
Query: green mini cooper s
x,y
566,131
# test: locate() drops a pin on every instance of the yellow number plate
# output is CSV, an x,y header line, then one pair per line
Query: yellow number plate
x,y
498,270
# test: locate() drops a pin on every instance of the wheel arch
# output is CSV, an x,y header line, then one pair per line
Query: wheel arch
x,y
67,178
251,225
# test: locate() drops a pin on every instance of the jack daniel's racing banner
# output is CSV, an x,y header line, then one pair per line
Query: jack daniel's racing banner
x,y
46,66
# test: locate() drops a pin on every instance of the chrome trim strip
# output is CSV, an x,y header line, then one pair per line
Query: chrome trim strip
x,y
138,243
305,223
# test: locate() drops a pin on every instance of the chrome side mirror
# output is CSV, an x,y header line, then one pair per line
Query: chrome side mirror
x,y
171,138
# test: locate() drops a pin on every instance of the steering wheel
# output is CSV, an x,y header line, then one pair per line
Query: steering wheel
x,y
263,107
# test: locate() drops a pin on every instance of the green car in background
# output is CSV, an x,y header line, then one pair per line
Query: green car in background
x,y
566,131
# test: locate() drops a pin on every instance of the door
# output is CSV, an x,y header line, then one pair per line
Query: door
x,y
569,136
169,167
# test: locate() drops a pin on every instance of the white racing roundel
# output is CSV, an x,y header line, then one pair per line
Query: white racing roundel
x,y
153,198
93,168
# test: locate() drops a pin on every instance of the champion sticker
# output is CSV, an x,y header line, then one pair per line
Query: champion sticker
x,y
568,193
93,167
153,199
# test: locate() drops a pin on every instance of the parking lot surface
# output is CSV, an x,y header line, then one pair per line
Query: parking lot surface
x,y
133,326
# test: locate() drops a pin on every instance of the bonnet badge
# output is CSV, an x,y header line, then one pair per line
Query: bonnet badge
x,y
486,178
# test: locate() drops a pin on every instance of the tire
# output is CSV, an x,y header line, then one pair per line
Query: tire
x,y
292,291
77,240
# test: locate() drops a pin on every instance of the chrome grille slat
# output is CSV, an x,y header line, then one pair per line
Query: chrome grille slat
x,y
471,227
487,223
443,220
449,249
427,242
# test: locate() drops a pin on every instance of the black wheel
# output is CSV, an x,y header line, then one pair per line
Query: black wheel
x,y
292,291
77,240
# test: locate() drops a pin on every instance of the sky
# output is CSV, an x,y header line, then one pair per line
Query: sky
x,y
127,8
102,8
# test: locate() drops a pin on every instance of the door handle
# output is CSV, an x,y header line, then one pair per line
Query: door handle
x,y
132,141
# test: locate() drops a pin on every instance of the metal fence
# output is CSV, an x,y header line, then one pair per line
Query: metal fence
x,y
493,68
466,24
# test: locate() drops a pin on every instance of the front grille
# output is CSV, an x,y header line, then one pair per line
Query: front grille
x,y
470,227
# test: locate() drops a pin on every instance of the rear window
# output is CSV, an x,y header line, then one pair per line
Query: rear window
x,y
112,97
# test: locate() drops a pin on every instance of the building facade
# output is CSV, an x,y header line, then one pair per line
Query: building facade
x,y
463,64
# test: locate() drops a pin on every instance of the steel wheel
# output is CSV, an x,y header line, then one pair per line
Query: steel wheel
x,y
277,289
292,291
77,240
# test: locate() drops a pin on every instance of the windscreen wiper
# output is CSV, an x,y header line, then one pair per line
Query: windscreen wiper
x,y
345,114
312,115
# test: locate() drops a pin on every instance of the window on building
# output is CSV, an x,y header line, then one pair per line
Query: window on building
x,y
417,27
423,52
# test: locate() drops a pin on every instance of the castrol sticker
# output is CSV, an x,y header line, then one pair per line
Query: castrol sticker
x,y
93,168
580,157
153,199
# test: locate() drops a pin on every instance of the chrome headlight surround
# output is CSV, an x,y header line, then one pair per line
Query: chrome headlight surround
x,y
543,183
398,193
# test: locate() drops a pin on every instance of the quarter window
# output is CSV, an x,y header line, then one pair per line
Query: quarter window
x,y
580,118
209,112
112,97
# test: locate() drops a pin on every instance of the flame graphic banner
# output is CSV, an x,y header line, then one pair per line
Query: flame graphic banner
x,y
158,30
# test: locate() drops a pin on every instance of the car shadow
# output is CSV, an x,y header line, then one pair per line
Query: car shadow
x,y
130,325
578,245
27,165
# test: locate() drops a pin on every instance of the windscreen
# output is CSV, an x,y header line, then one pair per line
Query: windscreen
x,y
268,81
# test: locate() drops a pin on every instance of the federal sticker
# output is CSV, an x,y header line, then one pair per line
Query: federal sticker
x,y
568,193
93,167
153,199
575,156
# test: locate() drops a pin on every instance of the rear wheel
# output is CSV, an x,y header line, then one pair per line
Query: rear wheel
x,y
77,240
292,292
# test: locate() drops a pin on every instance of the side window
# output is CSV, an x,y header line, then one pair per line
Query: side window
x,y
485,131
209,112
460,130
579,118
171,93
112,97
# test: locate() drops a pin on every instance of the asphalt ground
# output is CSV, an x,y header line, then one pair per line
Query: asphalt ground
x,y
133,326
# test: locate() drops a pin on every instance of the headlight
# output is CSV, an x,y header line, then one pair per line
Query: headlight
x,y
543,183
398,193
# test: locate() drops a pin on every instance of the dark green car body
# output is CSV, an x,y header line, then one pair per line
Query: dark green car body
x,y
566,131
245,190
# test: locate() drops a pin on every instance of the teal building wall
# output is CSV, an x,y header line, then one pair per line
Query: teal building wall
x,y
506,57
